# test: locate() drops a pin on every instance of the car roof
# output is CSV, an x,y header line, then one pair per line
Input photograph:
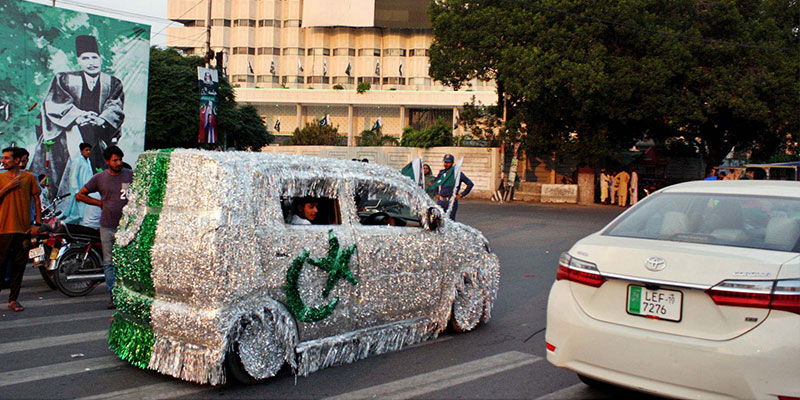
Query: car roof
x,y
742,187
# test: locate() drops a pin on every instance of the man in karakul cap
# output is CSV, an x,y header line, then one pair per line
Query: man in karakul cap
x,y
445,187
83,106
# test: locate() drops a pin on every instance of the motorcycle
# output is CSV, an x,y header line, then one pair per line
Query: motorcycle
x,y
78,267
45,245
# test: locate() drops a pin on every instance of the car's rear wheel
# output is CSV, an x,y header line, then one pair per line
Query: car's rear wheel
x,y
255,352
468,305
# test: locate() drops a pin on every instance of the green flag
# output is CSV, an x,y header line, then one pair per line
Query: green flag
x,y
413,171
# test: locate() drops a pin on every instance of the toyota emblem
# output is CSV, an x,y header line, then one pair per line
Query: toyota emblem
x,y
655,264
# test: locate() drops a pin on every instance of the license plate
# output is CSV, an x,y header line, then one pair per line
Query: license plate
x,y
36,252
655,304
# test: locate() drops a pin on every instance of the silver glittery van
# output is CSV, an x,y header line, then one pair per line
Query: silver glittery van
x,y
214,280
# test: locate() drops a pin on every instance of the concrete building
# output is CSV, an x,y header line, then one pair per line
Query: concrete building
x,y
286,57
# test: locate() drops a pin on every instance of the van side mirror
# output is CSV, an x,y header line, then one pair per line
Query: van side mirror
x,y
434,218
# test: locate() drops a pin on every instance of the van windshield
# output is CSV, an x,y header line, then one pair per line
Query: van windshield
x,y
770,223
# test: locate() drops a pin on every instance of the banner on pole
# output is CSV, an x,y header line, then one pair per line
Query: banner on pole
x,y
208,79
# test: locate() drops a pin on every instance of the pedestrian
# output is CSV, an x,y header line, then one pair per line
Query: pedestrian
x,y
614,187
112,184
634,186
429,179
18,188
604,180
80,171
622,180
445,189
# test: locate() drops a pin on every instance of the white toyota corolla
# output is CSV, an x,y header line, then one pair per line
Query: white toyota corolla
x,y
692,293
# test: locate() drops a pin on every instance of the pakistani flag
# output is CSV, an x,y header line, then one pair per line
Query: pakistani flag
x,y
325,120
272,67
277,126
347,70
413,171
377,125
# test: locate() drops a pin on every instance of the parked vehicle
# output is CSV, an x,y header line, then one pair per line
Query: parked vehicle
x,y
78,267
45,244
692,293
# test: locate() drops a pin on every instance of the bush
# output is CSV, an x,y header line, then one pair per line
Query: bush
x,y
338,87
363,87
438,134
376,138
314,135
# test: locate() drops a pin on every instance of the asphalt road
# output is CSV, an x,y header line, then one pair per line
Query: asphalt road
x,y
57,348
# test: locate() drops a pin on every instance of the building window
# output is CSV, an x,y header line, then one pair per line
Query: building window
x,y
394,81
344,52
244,50
220,22
369,52
274,51
244,22
291,23
194,22
394,52
319,52
419,81
343,80
268,79
269,22
371,79
293,51
419,53
292,79
242,78
318,79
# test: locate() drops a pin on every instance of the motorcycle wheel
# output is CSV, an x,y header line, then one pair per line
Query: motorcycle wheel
x,y
69,264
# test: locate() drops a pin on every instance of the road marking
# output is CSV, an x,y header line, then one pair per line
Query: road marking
x,y
578,391
428,382
166,390
58,370
62,301
26,322
51,341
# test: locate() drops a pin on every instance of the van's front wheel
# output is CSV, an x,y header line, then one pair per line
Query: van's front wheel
x,y
468,304
255,351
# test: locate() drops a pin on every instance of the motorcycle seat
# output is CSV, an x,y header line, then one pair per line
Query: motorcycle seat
x,y
81,231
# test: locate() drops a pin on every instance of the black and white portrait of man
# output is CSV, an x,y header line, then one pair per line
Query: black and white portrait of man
x,y
83,106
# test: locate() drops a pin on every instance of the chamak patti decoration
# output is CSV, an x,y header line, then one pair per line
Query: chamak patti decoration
x,y
208,267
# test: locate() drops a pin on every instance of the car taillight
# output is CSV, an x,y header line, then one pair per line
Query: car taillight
x,y
575,270
775,295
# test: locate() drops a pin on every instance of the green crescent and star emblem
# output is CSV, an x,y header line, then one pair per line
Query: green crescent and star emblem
x,y
336,264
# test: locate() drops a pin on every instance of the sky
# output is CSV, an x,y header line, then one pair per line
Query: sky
x,y
150,12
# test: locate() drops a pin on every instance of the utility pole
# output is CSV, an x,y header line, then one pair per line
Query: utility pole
x,y
209,54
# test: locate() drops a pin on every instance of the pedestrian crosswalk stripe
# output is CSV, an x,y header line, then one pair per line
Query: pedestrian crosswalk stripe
x,y
166,390
55,319
429,382
62,301
58,370
51,341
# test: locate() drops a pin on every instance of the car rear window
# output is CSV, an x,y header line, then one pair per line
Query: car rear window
x,y
771,223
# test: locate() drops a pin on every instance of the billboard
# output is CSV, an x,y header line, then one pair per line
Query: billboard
x,y
71,77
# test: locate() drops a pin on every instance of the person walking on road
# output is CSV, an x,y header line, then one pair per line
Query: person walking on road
x,y
445,190
18,189
112,184
622,180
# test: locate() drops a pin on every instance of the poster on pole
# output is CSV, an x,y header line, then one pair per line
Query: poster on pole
x,y
208,79
70,78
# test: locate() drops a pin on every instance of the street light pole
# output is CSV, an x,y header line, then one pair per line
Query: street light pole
x,y
208,35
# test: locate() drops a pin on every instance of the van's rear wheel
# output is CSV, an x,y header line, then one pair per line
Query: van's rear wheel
x,y
255,352
468,304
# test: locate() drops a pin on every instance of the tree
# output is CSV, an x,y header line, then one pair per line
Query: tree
x,y
316,135
438,134
173,101
376,138
588,78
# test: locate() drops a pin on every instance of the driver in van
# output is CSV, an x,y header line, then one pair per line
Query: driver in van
x,y
305,211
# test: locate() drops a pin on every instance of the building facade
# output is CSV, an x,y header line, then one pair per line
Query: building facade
x,y
299,61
